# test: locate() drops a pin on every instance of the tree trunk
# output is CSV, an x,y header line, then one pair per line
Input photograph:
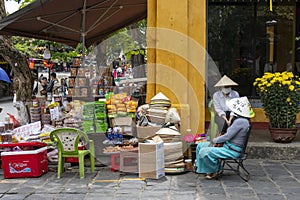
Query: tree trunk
x,y
23,80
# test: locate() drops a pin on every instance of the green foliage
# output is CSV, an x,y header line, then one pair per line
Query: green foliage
x,y
34,48
130,40
280,95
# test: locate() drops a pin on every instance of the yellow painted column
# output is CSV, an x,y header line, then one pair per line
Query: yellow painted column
x,y
176,41
151,51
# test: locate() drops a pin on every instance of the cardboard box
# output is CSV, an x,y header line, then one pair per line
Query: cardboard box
x,y
151,160
19,164
144,132
126,123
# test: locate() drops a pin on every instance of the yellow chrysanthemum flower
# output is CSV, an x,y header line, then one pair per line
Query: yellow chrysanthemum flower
x,y
290,74
288,99
285,77
291,87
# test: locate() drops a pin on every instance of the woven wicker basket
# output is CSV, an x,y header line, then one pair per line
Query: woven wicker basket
x,y
156,119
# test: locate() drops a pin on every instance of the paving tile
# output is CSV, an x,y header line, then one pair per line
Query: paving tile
x,y
182,196
213,196
70,196
41,197
4,187
13,196
50,190
271,196
75,190
234,191
154,195
97,196
212,190
102,191
23,190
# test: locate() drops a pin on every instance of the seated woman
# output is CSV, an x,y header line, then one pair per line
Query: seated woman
x,y
207,156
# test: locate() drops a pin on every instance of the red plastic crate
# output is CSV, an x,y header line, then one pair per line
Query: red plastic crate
x,y
19,164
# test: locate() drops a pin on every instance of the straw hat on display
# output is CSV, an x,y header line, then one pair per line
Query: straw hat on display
x,y
160,100
225,81
241,106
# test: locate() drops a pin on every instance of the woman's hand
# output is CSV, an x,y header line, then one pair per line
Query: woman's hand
x,y
229,121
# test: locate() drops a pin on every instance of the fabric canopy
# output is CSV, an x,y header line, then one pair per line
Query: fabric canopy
x,y
73,21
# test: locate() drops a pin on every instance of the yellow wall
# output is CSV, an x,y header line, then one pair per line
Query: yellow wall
x,y
259,116
176,40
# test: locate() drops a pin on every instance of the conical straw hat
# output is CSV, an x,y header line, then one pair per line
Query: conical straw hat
x,y
241,106
225,81
160,96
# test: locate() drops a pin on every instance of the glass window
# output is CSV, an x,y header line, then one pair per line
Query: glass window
x,y
247,39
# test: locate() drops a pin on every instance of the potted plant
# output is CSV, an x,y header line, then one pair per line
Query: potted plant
x,y
280,96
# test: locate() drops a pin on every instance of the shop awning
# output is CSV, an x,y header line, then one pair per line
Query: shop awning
x,y
73,21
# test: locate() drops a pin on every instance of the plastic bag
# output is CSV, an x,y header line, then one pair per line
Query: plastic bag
x,y
172,116
14,120
143,121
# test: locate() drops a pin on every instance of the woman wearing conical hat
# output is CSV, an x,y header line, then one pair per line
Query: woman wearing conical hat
x,y
224,116
208,156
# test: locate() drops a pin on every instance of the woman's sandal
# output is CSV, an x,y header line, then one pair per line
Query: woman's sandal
x,y
212,176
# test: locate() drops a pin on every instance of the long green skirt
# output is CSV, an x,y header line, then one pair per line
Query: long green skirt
x,y
208,157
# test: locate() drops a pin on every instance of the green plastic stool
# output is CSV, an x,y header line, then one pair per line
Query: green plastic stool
x,y
67,140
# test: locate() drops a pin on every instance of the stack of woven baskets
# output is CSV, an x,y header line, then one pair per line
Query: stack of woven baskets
x,y
158,109
173,153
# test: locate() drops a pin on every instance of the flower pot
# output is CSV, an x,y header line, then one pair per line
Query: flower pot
x,y
283,135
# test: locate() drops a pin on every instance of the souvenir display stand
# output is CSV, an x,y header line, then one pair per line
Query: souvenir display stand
x,y
127,133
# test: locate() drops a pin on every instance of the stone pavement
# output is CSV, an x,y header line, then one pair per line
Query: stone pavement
x,y
270,179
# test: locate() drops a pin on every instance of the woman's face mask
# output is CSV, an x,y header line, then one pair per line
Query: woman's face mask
x,y
226,90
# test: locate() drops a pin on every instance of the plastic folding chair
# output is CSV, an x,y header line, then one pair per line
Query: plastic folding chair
x,y
236,164
67,140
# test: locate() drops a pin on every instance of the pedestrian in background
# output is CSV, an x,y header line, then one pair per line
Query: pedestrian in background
x,y
54,85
